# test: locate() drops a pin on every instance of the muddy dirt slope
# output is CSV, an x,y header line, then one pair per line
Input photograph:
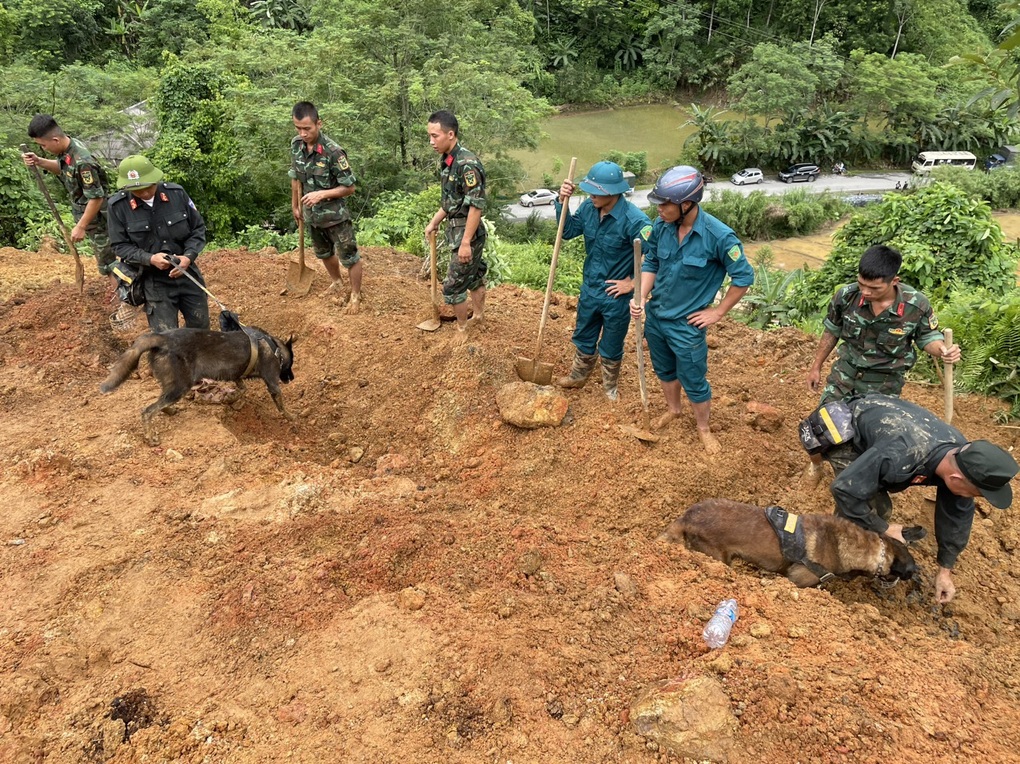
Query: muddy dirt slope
x,y
399,576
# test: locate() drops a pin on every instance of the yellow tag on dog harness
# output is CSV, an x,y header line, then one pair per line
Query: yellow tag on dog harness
x,y
791,523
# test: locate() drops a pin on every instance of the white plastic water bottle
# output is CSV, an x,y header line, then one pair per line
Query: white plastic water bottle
x,y
717,630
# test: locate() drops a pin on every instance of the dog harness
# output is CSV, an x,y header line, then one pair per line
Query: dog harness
x,y
791,541
254,358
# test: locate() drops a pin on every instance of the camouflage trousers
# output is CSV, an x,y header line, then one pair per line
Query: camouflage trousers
x,y
841,457
845,381
462,278
336,240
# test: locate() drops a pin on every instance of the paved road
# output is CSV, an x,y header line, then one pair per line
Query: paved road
x,y
857,183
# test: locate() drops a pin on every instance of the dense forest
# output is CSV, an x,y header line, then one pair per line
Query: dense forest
x,y
869,81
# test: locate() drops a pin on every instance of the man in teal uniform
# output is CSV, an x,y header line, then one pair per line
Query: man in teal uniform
x,y
610,223
86,184
321,180
689,253
154,226
463,202
879,321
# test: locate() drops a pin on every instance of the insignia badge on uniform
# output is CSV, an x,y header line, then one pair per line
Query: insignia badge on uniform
x,y
68,160
470,178
133,175
163,197
134,203
646,232
86,177
318,148
342,163
191,204
897,332
734,253
933,321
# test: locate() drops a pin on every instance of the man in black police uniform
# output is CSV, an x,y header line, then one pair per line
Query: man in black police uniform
x,y
898,444
150,220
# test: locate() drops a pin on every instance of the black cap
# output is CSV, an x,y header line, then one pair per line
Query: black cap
x,y
990,469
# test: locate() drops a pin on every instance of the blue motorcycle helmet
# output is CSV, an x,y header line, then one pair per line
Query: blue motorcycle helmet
x,y
678,185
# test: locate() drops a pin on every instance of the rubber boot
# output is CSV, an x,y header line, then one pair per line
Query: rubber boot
x,y
580,370
610,376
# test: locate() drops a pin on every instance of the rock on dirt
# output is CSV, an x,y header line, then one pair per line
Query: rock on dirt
x,y
527,405
688,716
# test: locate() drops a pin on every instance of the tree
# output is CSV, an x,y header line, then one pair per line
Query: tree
x,y
774,81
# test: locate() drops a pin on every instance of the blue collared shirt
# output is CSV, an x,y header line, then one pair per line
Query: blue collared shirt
x,y
608,241
689,275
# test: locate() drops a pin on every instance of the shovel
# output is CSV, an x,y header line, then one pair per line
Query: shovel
x,y
431,324
79,269
529,369
947,380
299,276
646,433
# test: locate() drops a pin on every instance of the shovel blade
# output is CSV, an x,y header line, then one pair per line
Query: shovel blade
x,y
530,371
646,435
429,325
299,279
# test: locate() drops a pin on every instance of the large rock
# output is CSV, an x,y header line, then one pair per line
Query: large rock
x,y
527,405
689,716
762,416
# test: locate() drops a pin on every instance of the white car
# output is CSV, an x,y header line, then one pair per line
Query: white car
x,y
538,196
747,175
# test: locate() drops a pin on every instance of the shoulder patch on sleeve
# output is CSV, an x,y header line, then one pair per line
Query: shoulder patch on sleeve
x,y
933,320
470,177
86,177
646,232
341,161
734,253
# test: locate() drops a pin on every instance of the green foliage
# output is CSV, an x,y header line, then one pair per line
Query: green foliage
x,y
528,264
768,303
21,204
631,161
400,220
987,326
949,243
775,81
1000,187
258,237
758,216
58,32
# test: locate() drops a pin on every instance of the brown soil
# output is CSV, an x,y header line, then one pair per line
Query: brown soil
x,y
399,576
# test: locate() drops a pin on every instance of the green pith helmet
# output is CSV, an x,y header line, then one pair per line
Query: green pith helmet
x,y
604,179
137,172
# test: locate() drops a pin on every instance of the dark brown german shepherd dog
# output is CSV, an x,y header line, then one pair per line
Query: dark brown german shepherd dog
x,y
182,358
725,529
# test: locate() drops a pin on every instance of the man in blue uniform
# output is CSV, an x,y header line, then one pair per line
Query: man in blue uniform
x,y
689,253
610,223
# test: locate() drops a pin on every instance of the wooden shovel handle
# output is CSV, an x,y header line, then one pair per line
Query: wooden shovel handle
x,y
301,242
79,268
432,265
639,325
947,379
564,212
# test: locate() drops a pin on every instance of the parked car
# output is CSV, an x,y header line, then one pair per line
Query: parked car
x,y
747,175
798,172
538,196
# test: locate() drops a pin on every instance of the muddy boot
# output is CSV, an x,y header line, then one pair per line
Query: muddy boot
x,y
610,376
579,371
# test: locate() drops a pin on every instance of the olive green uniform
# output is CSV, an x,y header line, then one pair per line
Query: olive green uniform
x,y
173,226
321,168
85,179
463,182
876,352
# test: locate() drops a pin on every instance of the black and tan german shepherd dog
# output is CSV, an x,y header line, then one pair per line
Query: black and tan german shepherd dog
x,y
726,529
182,358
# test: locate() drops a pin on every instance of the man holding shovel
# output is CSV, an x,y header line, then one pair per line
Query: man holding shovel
x,y
689,254
86,184
463,202
610,223
321,179
879,320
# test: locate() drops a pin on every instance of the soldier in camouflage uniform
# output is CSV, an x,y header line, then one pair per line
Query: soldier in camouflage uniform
x,y
321,178
463,201
86,184
879,321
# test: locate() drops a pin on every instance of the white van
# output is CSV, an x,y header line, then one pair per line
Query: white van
x,y
927,161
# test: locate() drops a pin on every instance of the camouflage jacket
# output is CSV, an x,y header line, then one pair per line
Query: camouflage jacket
x,y
82,176
463,180
882,343
322,168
